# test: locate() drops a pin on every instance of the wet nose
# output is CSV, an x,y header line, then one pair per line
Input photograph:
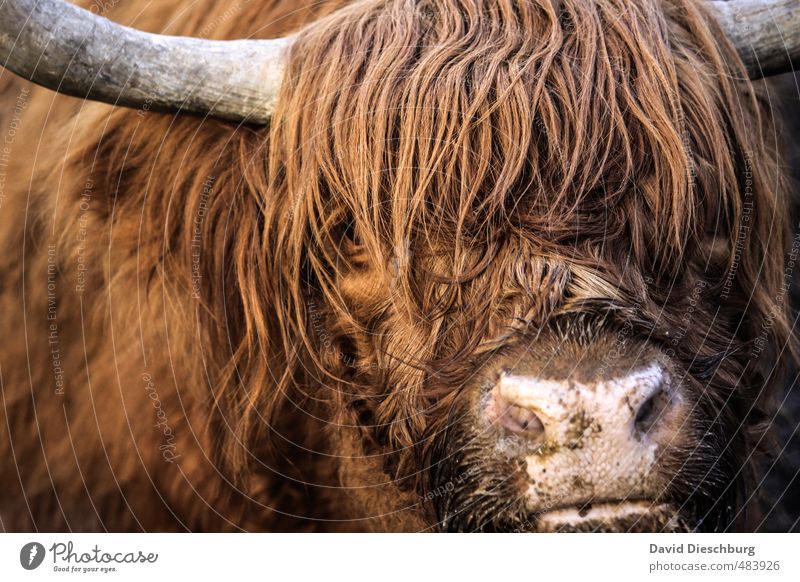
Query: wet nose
x,y
588,439
633,406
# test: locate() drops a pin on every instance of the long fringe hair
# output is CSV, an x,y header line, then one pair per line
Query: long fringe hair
x,y
437,170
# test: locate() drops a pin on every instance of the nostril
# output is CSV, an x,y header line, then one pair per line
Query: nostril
x,y
521,420
650,411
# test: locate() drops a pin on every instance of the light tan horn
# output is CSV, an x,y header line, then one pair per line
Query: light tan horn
x,y
72,51
766,33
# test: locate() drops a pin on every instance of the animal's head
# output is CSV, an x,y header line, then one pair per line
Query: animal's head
x,y
530,256
535,252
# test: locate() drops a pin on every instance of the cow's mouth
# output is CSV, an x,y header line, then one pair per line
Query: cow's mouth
x,y
619,516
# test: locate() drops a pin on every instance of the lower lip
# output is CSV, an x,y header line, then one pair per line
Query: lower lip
x,y
571,517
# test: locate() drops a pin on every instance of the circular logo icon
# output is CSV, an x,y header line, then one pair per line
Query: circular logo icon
x,y
31,555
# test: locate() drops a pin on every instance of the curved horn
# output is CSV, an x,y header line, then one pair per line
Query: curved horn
x,y
766,33
73,51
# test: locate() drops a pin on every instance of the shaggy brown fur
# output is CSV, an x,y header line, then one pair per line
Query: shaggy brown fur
x,y
212,327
